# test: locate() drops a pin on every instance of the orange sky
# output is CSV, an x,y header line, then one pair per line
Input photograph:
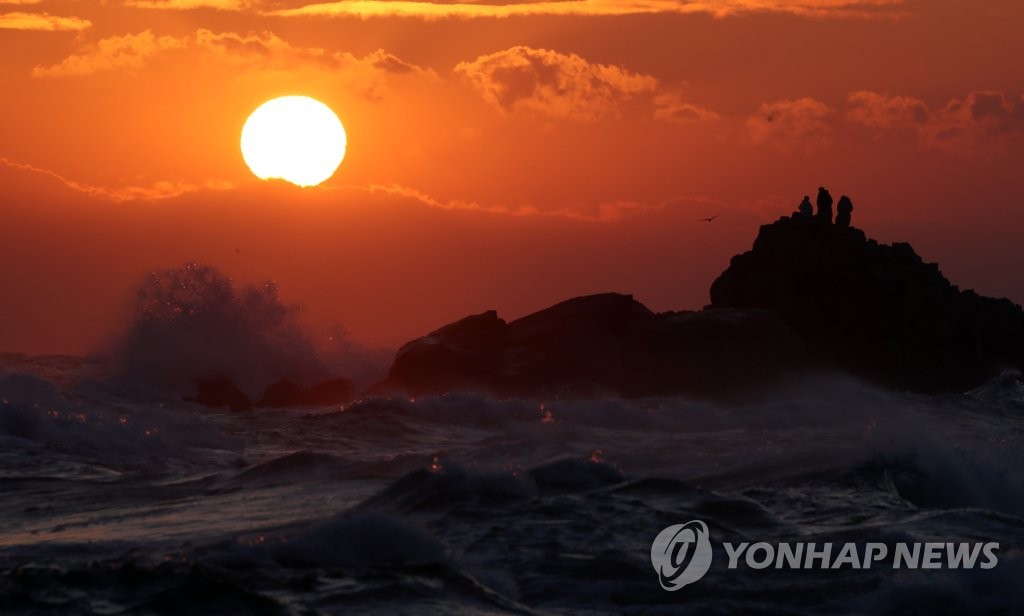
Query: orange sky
x,y
501,155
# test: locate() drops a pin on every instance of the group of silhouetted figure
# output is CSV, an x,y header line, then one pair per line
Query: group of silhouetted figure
x,y
824,215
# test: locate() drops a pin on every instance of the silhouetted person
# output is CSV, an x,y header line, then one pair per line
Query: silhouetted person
x,y
844,211
824,206
805,209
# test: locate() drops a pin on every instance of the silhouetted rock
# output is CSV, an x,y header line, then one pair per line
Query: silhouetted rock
x,y
220,392
810,295
285,393
824,206
281,394
462,355
602,344
876,310
580,346
844,211
719,352
327,393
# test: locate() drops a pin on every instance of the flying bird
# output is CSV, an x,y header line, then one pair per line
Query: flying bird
x,y
708,219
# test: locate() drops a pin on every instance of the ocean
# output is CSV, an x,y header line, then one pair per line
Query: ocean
x,y
119,499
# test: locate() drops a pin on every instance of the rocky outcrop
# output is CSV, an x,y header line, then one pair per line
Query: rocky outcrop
x,y
285,393
466,354
281,394
220,392
810,295
876,310
602,344
329,393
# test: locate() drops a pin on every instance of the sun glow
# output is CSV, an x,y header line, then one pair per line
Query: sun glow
x,y
293,138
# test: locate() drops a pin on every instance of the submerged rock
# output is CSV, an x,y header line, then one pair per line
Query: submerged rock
x,y
285,393
220,392
281,394
331,392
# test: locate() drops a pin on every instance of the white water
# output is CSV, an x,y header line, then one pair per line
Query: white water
x,y
123,500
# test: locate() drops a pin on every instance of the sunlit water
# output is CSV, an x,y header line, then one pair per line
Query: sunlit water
x,y
118,500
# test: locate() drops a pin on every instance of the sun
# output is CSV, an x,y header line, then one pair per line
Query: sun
x,y
293,138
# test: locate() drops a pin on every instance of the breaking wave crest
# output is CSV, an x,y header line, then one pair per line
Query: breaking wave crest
x,y
193,322
466,503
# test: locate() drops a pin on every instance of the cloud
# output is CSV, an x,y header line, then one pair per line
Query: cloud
x,y
886,112
986,116
562,85
130,51
43,22
184,5
792,124
165,189
264,48
612,211
133,51
465,10
552,83
672,108
254,49
152,192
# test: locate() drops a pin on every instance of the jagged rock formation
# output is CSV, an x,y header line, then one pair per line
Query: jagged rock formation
x,y
602,344
285,393
220,392
280,394
330,392
810,295
876,310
